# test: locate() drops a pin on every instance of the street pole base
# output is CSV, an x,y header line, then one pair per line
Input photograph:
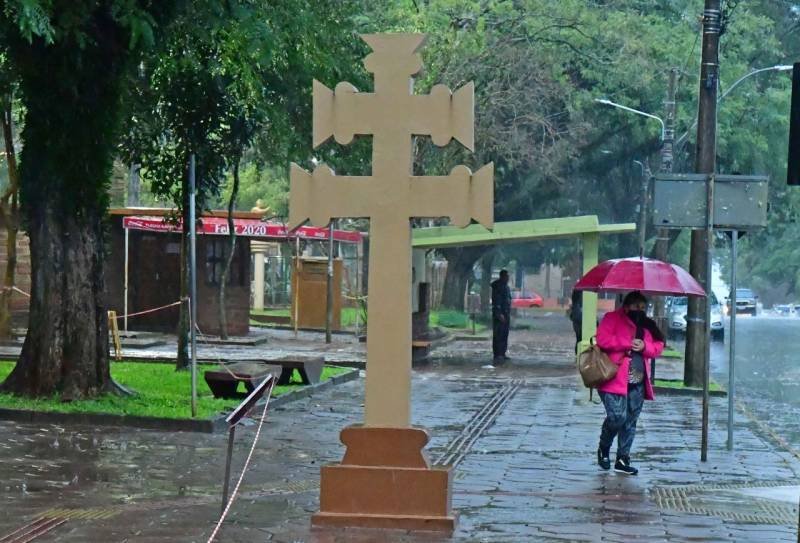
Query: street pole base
x,y
385,481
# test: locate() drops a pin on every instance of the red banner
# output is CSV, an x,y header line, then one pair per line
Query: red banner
x,y
251,228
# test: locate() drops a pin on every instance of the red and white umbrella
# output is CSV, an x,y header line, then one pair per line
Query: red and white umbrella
x,y
643,274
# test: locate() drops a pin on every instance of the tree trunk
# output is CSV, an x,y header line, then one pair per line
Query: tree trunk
x,y
459,269
223,318
66,349
10,215
182,358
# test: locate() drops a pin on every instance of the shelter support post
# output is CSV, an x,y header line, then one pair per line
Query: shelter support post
x,y
125,289
258,275
591,244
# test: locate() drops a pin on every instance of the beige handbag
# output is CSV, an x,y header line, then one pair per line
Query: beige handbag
x,y
595,366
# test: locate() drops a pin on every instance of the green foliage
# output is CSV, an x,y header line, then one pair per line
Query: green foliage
x,y
232,82
270,185
70,58
160,392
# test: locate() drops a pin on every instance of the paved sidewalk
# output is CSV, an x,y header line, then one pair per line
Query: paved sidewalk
x,y
530,477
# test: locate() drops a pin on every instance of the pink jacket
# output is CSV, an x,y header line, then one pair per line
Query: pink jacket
x,y
615,336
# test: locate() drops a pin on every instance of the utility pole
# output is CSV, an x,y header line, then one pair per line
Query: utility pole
x,y
667,152
705,163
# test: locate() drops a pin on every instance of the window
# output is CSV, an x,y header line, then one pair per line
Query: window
x,y
216,255
215,260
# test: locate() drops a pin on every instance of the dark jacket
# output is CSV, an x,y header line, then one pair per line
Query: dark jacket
x,y
501,299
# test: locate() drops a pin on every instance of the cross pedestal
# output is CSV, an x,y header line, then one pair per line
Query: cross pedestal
x,y
385,479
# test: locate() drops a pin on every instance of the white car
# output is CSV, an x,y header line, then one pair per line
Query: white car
x,y
676,315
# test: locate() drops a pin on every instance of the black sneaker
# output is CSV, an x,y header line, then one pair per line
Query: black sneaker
x,y
602,459
623,465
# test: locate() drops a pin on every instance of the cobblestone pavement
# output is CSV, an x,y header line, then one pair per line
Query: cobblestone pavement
x,y
530,477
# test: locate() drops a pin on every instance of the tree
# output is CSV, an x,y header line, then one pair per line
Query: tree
x,y
232,78
70,58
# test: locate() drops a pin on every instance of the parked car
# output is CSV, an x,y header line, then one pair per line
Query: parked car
x,y
676,317
746,302
525,300
784,310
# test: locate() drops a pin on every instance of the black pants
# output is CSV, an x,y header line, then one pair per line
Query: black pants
x,y
500,336
577,327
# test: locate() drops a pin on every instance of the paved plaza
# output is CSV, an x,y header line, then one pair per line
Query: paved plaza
x,y
528,475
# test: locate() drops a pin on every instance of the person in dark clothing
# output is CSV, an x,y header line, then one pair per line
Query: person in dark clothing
x,y
501,316
576,316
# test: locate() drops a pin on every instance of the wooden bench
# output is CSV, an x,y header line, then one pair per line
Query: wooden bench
x,y
224,382
420,349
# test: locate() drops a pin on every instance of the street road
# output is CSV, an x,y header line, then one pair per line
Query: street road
x,y
767,370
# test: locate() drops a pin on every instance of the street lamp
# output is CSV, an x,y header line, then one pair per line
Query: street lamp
x,y
776,68
626,108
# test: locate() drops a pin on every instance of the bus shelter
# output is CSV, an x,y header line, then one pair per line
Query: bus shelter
x,y
587,228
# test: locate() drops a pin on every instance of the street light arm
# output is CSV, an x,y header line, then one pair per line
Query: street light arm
x,y
636,111
778,68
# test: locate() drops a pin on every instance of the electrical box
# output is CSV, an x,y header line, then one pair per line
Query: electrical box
x,y
740,201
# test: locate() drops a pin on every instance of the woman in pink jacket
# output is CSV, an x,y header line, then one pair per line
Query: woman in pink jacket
x,y
631,340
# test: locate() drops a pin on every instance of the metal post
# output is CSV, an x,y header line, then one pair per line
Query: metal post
x,y
193,281
125,302
296,283
329,287
732,339
228,457
707,358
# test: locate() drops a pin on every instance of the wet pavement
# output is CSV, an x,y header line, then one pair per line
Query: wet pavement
x,y
530,476
767,372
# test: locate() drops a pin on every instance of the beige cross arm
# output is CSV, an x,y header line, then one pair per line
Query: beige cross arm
x,y
342,113
461,196
443,115
322,195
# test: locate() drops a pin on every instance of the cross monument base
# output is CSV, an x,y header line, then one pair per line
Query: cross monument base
x,y
386,481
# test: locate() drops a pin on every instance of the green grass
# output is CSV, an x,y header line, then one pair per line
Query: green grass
x,y
671,353
714,387
348,316
455,320
161,392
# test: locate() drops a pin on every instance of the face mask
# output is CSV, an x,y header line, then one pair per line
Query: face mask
x,y
637,316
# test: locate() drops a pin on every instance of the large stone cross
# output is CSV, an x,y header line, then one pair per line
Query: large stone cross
x,y
390,197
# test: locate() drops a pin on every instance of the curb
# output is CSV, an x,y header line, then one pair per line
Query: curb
x,y
274,326
205,426
467,337
310,390
695,392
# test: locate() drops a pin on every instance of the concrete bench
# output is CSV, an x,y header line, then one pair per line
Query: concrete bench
x,y
224,382
310,369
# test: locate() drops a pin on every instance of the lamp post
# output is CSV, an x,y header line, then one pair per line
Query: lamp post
x,y
645,174
643,205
